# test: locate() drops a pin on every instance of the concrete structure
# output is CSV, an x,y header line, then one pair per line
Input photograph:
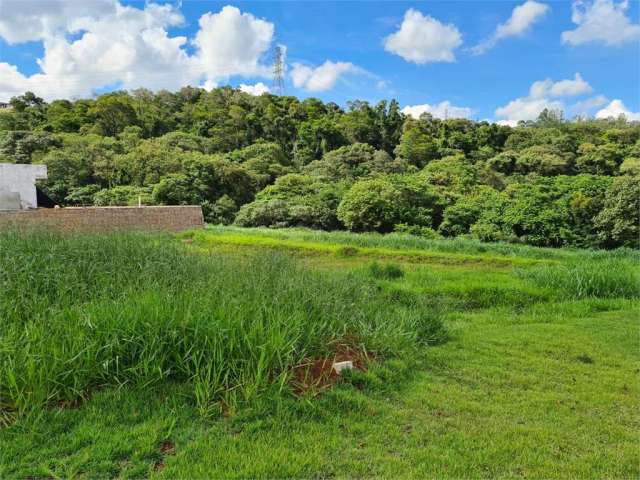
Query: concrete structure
x,y
18,185
106,219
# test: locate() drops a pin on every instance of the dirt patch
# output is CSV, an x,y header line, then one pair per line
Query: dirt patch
x,y
317,374
166,448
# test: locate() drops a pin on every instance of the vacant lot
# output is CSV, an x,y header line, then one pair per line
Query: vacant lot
x,y
134,356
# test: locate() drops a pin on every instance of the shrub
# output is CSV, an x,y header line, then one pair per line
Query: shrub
x,y
82,195
418,231
222,211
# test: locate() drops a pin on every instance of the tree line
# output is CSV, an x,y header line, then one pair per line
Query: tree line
x,y
278,161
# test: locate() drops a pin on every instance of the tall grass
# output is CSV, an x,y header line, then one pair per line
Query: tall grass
x,y
80,313
594,276
401,241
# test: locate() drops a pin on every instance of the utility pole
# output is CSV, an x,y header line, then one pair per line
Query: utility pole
x,y
278,70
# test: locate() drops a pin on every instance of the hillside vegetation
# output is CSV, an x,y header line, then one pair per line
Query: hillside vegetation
x,y
281,162
136,356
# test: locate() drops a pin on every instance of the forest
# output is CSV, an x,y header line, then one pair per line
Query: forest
x,y
277,161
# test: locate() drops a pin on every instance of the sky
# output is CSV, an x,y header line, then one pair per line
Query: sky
x,y
497,60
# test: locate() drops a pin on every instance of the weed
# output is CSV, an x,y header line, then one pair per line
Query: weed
x,y
389,271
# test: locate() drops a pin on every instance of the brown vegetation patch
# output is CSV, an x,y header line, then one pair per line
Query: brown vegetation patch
x,y
317,374
166,448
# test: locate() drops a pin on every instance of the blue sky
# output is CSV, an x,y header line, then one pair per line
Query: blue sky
x,y
482,57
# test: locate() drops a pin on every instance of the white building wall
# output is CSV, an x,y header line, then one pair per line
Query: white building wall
x,y
19,179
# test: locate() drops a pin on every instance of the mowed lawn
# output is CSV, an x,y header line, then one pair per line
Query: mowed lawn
x,y
537,378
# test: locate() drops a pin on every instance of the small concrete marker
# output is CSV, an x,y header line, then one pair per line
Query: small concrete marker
x,y
339,366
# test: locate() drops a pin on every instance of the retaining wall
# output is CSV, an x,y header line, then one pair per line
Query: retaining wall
x,y
106,219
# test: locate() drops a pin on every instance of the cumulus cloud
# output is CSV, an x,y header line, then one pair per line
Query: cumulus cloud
x,y
33,20
321,78
562,88
617,108
508,123
423,39
542,94
521,20
103,44
257,89
441,110
232,43
526,108
584,107
601,21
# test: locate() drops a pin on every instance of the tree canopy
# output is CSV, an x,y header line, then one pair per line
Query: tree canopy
x,y
278,161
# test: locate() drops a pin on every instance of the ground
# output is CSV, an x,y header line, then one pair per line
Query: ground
x,y
528,384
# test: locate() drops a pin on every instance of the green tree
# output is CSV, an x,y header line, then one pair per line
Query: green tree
x,y
459,217
417,146
379,204
112,113
450,176
543,159
294,200
618,222
599,159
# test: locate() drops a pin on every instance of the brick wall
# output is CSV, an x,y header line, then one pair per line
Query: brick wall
x,y
106,219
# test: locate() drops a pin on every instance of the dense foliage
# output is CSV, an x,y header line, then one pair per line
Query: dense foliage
x,y
278,161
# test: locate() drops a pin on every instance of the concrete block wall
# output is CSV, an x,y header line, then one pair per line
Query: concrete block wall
x,y
106,219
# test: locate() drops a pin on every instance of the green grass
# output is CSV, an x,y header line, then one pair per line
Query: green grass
x,y
81,313
458,247
396,247
600,278
535,374
388,271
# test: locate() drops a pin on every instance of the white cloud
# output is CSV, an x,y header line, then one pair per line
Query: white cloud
x,y
521,19
33,20
527,108
257,89
209,85
585,107
542,94
617,108
321,78
601,21
508,123
232,43
129,48
441,110
562,88
422,39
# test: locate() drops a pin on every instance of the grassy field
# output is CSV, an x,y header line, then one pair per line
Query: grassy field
x,y
156,356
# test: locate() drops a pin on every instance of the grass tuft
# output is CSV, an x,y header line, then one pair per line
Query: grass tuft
x,y
388,271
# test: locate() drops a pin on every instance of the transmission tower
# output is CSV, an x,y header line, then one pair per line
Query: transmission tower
x,y
278,70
